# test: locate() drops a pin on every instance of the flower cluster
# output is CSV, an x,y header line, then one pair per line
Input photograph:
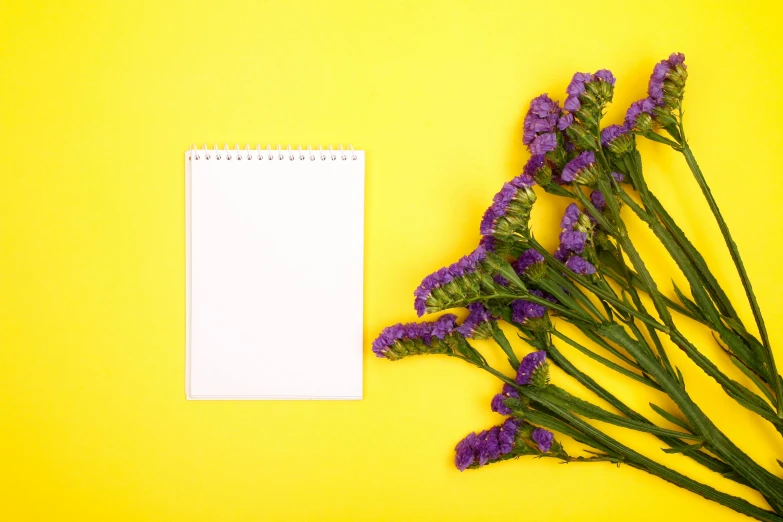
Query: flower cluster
x,y
488,446
478,324
617,138
667,83
529,313
450,283
530,264
506,221
497,405
539,125
543,438
639,116
576,228
533,370
582,169
664,93
403,339
594,90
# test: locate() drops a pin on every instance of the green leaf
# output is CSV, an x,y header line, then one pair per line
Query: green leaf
x,y
689,304
753,377
671,418
502,267
684,449
562,398
502,341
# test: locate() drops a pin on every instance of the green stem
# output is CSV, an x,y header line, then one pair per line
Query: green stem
x,y
541,341
765,482
606,362
735,257
638,460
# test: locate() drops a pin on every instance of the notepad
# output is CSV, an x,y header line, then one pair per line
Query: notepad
x,y
275,242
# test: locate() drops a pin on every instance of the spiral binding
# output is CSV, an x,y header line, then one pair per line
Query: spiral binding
x,y
270,154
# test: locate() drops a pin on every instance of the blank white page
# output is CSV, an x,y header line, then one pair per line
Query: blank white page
x,y
275,275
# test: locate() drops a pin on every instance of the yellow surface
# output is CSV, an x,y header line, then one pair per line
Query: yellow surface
x,y
98,101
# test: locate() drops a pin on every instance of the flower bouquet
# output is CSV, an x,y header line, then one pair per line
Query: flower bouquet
x,y
598,282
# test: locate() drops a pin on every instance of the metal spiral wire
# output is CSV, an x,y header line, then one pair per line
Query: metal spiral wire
x,y
270,154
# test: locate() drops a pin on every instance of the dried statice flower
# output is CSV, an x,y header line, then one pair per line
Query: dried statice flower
x,y
477,450
437,289
570,217
543,438
598,199
617,138
540,124
580,265
403,339
572,241
528,313
538,169
667,82
529,366
638,118
478,324
497,405
530,263
581,169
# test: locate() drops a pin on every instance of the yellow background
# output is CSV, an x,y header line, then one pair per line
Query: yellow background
x,y
98,101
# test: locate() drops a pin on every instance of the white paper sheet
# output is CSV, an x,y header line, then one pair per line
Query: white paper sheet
x,y
275,276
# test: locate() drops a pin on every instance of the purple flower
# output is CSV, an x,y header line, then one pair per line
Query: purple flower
x,y
561,255
490,447
533,165
523,181
543,143
487,446
543,106
543,438
661,71
577,87
523,310
540,118
443,326
487,243
573,241
466,265
466,451
528,258
577,84
529,364
580,265
618,176
571,216
637,108
499,279
498,208
572,103
577,166
498,406
478,315
508,432
597,199
420,332
509,391
604,75
611,133
565,121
